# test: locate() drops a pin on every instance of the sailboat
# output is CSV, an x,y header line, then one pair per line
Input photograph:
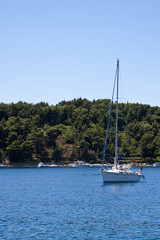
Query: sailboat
x,y
118,173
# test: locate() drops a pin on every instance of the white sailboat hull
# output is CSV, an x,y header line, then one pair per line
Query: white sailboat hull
x,y
118,173
109,176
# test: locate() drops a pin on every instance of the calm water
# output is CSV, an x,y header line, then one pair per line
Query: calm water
x,y
72,203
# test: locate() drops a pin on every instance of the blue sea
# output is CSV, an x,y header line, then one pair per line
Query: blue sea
x,y
73,203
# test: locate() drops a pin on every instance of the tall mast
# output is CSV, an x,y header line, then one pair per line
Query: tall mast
x,y
116,138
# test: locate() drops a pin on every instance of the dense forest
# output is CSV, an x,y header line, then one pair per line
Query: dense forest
x,y
76,130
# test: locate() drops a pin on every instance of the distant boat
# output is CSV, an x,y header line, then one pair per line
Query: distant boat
x,y
157,164
80,164
118,173
101,165
2,165
42,165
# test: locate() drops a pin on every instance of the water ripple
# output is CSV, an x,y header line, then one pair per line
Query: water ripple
x,y
66,203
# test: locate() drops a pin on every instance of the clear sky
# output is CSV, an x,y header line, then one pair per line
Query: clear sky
x,y
55,50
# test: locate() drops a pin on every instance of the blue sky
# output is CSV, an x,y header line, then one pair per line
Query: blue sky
x,y
55,50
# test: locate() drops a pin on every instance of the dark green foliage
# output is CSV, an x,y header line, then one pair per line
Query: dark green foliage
x,y
77,130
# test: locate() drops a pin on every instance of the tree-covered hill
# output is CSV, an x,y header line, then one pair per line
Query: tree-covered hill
x,y
76,130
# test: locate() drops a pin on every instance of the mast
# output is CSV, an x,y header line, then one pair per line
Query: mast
x,y
116,138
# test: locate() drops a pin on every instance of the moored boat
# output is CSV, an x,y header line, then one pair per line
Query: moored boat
x,y
157,164
80,164
42,165
118,173
2,165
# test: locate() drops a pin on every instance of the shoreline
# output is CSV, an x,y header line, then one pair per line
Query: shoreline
x,y
32,165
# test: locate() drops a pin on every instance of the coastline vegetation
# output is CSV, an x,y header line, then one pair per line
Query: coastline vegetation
x,y
76,130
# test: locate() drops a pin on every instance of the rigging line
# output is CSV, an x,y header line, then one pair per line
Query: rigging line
x,y
122,92
109,118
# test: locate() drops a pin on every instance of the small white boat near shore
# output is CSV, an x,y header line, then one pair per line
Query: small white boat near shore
x,y
157,164
81,164
101,165
42,165
2,165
